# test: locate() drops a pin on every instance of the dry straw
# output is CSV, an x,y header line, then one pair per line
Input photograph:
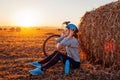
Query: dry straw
x,y
100,34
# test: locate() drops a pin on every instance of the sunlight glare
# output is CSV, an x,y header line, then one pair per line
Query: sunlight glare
x,y
27,18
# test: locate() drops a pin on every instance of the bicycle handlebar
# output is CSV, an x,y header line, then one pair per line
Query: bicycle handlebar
x,y
66,22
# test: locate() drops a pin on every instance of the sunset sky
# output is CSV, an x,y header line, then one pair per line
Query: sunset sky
x,y
45,12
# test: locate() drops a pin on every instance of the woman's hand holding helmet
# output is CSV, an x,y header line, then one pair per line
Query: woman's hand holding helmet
x,y
70,33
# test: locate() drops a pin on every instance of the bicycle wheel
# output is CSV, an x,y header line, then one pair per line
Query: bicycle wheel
x,y
49,44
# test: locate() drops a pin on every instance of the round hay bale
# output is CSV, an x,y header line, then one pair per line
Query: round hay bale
x,y
100,34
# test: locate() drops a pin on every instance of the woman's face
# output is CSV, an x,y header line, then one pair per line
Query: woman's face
x,y
66,32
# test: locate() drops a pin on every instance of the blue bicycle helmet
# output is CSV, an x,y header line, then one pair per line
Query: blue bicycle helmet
x,y
72,26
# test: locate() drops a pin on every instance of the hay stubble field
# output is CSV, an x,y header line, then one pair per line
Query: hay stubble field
x,y
19,48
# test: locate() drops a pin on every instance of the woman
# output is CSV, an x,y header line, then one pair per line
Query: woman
x,y
68,40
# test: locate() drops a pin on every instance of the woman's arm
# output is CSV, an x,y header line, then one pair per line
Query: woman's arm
x,y
65,41
59,39
59,46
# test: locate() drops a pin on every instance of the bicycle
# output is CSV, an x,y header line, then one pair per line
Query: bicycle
x,y
49,43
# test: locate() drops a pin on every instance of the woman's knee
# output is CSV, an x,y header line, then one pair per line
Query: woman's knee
x,y
55,51
58,52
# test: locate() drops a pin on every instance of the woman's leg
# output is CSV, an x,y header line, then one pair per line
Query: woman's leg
x,y
73,63
48,58
53,61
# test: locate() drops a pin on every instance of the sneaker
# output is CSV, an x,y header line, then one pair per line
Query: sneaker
x,y
36,71
35,63
67,67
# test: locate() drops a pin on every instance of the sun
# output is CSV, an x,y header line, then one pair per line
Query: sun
x,y
27,18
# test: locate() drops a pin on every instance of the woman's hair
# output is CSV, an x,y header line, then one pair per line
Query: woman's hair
x,y
75,35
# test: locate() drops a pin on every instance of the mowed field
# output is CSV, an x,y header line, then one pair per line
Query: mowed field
x,y
17,49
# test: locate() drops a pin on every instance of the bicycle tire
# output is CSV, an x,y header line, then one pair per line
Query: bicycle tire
x,y
46,41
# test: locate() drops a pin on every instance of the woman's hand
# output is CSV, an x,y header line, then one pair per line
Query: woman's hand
x,y
64,34
70,34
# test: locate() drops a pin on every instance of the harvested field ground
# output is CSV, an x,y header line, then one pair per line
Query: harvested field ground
x,y
19,48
